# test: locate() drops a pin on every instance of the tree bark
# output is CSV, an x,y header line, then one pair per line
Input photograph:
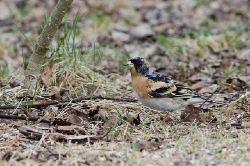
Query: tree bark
x,y
32,73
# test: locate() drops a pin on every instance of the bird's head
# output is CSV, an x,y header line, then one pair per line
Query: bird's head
x,y
139,64
135,62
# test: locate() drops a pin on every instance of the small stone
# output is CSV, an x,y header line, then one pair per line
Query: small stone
x,y
121,26
120,36
142,31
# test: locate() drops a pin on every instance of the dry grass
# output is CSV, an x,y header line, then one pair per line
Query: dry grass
x,y
138,135
180,145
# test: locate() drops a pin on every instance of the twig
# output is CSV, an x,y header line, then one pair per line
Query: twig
x,y
53,122
102,136
22,118
65,101
210,96
52,153
36,134
5,107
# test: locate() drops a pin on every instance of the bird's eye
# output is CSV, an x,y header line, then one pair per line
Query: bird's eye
x,y
129,63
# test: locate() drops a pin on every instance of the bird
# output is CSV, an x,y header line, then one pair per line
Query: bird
x,y
158,91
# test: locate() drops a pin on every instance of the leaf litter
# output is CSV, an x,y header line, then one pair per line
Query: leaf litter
x,y
202,44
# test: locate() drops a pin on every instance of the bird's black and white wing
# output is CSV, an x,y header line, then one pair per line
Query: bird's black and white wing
x,y
161,86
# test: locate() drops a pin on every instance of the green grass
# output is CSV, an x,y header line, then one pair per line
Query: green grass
x,y
231,71
100,20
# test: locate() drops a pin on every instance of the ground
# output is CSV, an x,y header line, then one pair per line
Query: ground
x,y
97,120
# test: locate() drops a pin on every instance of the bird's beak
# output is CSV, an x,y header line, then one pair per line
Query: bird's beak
x,y
128,63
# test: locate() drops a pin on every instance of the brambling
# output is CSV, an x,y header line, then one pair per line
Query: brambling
x,y
158,91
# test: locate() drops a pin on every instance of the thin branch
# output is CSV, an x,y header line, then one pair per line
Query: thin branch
x,y
66,101
6,107
209,97
37,119
52,153
2,116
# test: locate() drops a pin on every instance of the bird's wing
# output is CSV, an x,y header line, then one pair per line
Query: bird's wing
x,y
161,86
182,92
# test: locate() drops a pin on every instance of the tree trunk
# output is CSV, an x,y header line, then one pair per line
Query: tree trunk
x,y
32,73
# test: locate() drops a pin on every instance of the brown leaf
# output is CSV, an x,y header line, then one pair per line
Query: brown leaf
x,y
46,72
71,129
120,37
68,83
232,111
198,85
58,96
76,120
246,125
142,31
146,145
134,119
15,82
113,120
167,118
228,86
244,55
209,89
245,79
200,77
7,156
191,114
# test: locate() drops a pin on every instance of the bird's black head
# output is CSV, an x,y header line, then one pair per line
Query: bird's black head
x,y
139,64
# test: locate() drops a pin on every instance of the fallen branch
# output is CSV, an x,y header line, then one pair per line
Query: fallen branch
x,y
52,153
66,101
2,116
209,97
54,122
38,134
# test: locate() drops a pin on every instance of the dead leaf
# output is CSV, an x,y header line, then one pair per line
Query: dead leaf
x,y
120,37
209,89
200,77
46,72
76,120
68,83
121,26
134,119
167,118
146,145
191,114
113,120
228,86
244,55
7,156
143,51
198,85
16,82
142,31
246,125
232,111
71,129
58,95
245,79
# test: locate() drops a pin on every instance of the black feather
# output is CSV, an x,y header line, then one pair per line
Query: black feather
x,y
157,77
140,66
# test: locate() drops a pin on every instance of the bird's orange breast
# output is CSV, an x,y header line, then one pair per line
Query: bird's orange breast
x,y
140,84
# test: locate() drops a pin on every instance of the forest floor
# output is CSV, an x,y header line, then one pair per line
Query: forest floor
x,y
83,111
